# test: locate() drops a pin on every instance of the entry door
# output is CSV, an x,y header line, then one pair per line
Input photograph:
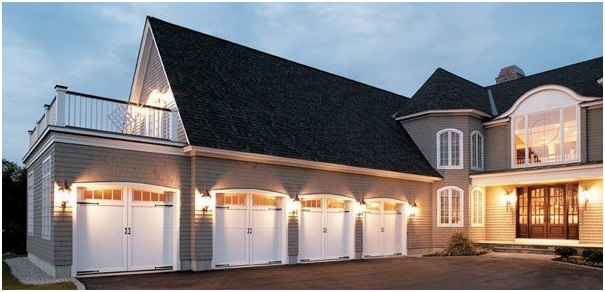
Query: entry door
x,y
248,229
324,229
383,229
117,232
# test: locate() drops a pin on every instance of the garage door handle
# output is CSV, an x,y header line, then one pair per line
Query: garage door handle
x,y
325,230
128,230
381,229
125,230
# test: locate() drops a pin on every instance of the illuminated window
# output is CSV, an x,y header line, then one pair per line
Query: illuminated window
x,y
547,137
46,198
477,206
476,151
449,149
450,207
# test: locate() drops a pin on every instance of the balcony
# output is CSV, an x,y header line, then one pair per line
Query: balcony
x,y
75,110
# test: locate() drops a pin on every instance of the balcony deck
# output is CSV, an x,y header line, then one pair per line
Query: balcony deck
x,y
82,111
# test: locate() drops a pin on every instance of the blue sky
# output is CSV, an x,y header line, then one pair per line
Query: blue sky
x,y
92,47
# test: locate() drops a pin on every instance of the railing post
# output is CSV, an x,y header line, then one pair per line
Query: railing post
x,y
61,92
174,119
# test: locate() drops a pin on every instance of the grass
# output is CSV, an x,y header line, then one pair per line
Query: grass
x,y
10,282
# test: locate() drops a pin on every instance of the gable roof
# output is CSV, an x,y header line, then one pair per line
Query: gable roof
x,y
233,97
447,91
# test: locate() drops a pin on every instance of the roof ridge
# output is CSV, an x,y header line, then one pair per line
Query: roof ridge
x,y
278,57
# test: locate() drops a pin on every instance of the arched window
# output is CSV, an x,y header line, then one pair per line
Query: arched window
x,y
477,202
476,150
450,211
449,149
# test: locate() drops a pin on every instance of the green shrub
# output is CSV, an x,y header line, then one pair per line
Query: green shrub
x,y
566,251
460,245
593,255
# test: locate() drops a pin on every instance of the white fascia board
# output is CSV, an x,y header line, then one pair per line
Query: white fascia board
x,y
106,140
498,122
559,174
593,104
141,66
452,112
275,160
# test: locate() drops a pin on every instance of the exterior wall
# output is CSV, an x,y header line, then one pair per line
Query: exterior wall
x,y
591,213
497,148
424,133
594,134
216,174
500,221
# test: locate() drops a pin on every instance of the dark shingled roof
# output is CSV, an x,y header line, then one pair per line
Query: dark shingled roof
x,y
236,98
580,77
444,90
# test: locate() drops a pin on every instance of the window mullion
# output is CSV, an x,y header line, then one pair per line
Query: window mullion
x,y
561,133
525,120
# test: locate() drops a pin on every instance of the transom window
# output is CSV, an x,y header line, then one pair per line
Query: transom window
x,y
449,149
547,137
476,150
450,207
477,202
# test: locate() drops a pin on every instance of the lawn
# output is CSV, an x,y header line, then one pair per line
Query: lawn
x,y
9,282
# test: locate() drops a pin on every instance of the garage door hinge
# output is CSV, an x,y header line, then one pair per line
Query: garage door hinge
x,y
87,272
161,205
342,258
88,203
164,268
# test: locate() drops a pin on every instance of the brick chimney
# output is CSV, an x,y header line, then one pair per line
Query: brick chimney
x,y
509,73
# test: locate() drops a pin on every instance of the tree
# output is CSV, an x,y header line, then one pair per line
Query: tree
x,y
14,207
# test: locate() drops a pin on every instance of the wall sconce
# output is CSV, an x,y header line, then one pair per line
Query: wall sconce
x,y
294,206
586,195
205,201
360,207
509,199
413,210
62,194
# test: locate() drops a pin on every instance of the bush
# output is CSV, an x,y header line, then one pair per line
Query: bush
x,y
566,251
593,255
460,245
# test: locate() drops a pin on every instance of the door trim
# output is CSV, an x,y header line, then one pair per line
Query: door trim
x,y
176,262
404,231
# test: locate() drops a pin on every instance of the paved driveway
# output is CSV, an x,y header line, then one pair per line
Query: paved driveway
x,y
490,271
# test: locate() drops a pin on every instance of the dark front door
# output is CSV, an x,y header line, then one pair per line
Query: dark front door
x,y
547,211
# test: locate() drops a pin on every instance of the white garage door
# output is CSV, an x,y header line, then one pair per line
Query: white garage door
x,y
383,228
248,229
324,229
123,229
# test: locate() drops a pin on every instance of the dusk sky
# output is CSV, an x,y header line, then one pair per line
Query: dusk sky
x,y
93,47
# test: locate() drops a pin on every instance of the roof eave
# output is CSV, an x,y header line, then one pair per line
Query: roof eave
x,y
447,112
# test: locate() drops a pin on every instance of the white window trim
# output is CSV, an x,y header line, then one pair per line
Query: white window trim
x,y
46,200
449,193
513,152
474,207
449,147
30,202
474,150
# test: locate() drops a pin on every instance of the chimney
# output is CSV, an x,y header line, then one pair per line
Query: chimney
x,y
510,73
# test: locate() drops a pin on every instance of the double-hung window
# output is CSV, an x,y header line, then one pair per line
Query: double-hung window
x,y
449,149
476,150
450,211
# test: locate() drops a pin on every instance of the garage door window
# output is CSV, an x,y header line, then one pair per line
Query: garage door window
x,y
102,194
316,203
230,199
148,196
261,200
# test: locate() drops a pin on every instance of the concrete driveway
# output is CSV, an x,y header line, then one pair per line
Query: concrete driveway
x,y
489,271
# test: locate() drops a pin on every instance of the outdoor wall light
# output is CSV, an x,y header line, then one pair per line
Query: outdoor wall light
x,y
62,194
586,195
413,210
205,201
294,206
360,207
509,199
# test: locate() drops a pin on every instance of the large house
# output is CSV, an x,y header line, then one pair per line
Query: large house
x,y
228,156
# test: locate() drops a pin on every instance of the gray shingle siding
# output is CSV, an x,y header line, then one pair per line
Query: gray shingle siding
x,y
497,147
594,134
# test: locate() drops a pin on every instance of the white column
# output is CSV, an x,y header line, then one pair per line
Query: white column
x,y
174,120
61,91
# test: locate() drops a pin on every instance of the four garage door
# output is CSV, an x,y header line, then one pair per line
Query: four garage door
x,y
324,228
124,229
383,228
248,229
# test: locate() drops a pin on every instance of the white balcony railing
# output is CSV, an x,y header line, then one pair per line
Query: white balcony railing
x,y
84,111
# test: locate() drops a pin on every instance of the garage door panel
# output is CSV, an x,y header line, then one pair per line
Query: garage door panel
x,y
392,234
336,235
100,238
311,235
231,236
373,236
265,236
150,237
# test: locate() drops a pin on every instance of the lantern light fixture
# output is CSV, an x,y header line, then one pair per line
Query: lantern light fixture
x,y
63,193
